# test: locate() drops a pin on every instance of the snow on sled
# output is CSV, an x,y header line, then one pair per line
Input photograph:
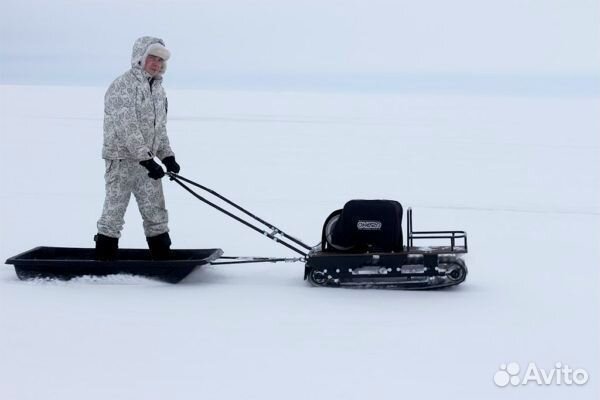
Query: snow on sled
x,y
66,263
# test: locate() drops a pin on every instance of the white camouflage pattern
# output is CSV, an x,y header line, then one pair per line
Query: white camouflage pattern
x,y
135,119
124,177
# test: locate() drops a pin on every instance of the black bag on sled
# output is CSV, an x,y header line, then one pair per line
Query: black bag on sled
x,y
364,225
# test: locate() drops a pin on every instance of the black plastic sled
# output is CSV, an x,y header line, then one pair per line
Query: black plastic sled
x,y
65,263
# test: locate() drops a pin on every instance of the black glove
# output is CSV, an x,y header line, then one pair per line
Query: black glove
x,y
155,170
171,164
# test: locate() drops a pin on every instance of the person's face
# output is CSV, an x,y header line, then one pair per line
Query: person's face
x,y
153,65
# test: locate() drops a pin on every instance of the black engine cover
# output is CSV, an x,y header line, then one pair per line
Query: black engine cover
x,y
364,225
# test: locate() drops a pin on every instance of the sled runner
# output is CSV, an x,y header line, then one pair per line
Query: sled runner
x,y
65,263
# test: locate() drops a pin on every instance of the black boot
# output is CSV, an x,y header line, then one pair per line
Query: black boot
x,y
107,247
159,246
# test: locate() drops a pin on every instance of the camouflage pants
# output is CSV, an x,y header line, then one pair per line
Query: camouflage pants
x,y
122,178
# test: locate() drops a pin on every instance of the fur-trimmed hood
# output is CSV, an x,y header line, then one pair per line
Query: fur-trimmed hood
x,y
141,49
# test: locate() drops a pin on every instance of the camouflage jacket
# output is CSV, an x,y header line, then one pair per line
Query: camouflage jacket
x,y
135,113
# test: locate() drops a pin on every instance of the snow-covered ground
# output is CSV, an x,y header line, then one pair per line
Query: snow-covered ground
x,y
519,174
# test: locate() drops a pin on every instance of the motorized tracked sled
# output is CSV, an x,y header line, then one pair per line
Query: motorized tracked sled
x,y
362,246
406,267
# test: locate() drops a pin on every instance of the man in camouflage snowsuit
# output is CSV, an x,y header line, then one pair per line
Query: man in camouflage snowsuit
x,y
135,118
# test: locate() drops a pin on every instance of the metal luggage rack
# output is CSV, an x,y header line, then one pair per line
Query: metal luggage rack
x,y
452,236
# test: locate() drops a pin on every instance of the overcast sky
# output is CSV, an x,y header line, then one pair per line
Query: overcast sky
x,y
244,41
